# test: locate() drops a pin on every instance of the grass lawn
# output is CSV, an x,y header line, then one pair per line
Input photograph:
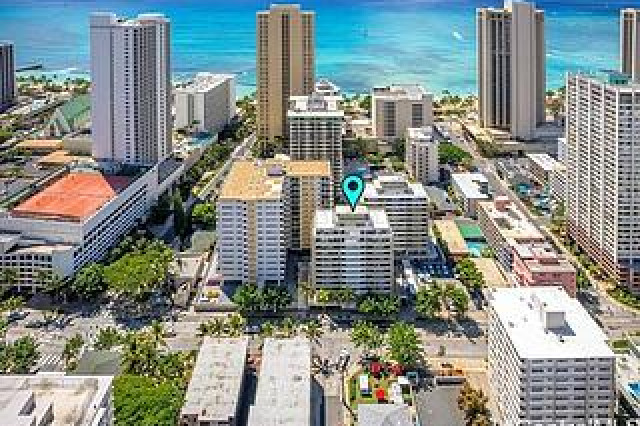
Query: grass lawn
x,y
355,397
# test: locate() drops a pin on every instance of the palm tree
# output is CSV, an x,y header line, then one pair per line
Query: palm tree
x,y
288,327
313,330
157,334
236,324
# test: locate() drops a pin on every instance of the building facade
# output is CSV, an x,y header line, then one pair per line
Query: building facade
x,y
538,264
7,75
206,104
265,208
505,226
630,43
407,208
421,155
399,107
352,249
285,65
541,167
548,361
315,131
603,172
470,188
511,68
130,88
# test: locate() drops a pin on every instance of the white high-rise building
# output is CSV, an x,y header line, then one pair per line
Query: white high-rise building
x,y
352,249
549,363
421,155
7,75
407,207
130,88
315,131
511,68
603,171
206,104
398,107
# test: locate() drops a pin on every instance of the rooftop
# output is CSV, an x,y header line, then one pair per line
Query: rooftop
x,y
510,221
422,134
216,383
451,235
315,105
71,399
383,415
283,396
470,184
204,82
545,323
343,217
76,108
326,87
263,179
490,271
74,197
543,160
40,144
542,257
412,92
390,186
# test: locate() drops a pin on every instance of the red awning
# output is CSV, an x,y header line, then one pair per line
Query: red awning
x,y
380,394
376,367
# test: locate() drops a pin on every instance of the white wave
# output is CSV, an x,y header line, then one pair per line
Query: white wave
x,y
457,36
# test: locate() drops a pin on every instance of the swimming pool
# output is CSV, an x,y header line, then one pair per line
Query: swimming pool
x,y
635,389
476,247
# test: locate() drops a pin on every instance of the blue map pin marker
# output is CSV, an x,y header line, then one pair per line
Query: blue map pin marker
x,y
352,188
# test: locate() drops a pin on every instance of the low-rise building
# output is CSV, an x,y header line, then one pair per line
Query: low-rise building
x,y
283,396
215,388
538,264
352,249
541,165
504,226
558,185
264,208
73,216
398,107
56,399
206,104
73,115
407,208
421,155
470,188
548,361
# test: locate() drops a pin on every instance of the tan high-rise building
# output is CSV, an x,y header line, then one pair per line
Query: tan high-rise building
x,y
398,107
285,64
511,68
264,208
630,43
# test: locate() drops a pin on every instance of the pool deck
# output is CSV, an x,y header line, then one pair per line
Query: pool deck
x,y
492,275
452,237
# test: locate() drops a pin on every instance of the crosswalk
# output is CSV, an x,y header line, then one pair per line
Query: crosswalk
x,y
50,362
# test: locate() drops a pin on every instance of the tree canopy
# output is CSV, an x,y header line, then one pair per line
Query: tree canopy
x,y
141,401
404,345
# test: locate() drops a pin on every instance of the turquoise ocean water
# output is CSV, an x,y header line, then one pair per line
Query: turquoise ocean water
x,y
360,43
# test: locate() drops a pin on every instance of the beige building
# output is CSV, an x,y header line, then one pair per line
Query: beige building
x,y
399,107
282,72
264,208
352,249
315,131
511,68
421,155
629,39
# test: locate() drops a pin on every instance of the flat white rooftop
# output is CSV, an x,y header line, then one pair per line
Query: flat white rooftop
x,y
543,160
390,186
315,105
283,396
469,184
204,82
422,134
545,323
343,217
412,92
216,382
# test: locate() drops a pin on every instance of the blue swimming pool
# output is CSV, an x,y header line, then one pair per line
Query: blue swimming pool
x,y
476,247
635,389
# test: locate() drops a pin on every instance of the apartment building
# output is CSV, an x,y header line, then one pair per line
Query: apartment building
x,y
470,189
421,155
398,107
548,361
266,207
283,395
538,264
7,75
603,171
56,399
315,131
541,165
130,88
505,226
407,208
629,43
216,385
558,185
285,64
352,249
511,68
206,104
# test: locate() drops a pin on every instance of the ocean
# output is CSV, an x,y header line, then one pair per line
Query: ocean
x,y
359,43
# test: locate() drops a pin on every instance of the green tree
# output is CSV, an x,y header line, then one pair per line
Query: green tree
x,y
140,355
460,301
236,324
404,345
8,276
288,327
267,329
313,330
248,298
20,356
89,281
215,327
428,302
451,154
367,336
141,401
107,338
71,352
204,215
